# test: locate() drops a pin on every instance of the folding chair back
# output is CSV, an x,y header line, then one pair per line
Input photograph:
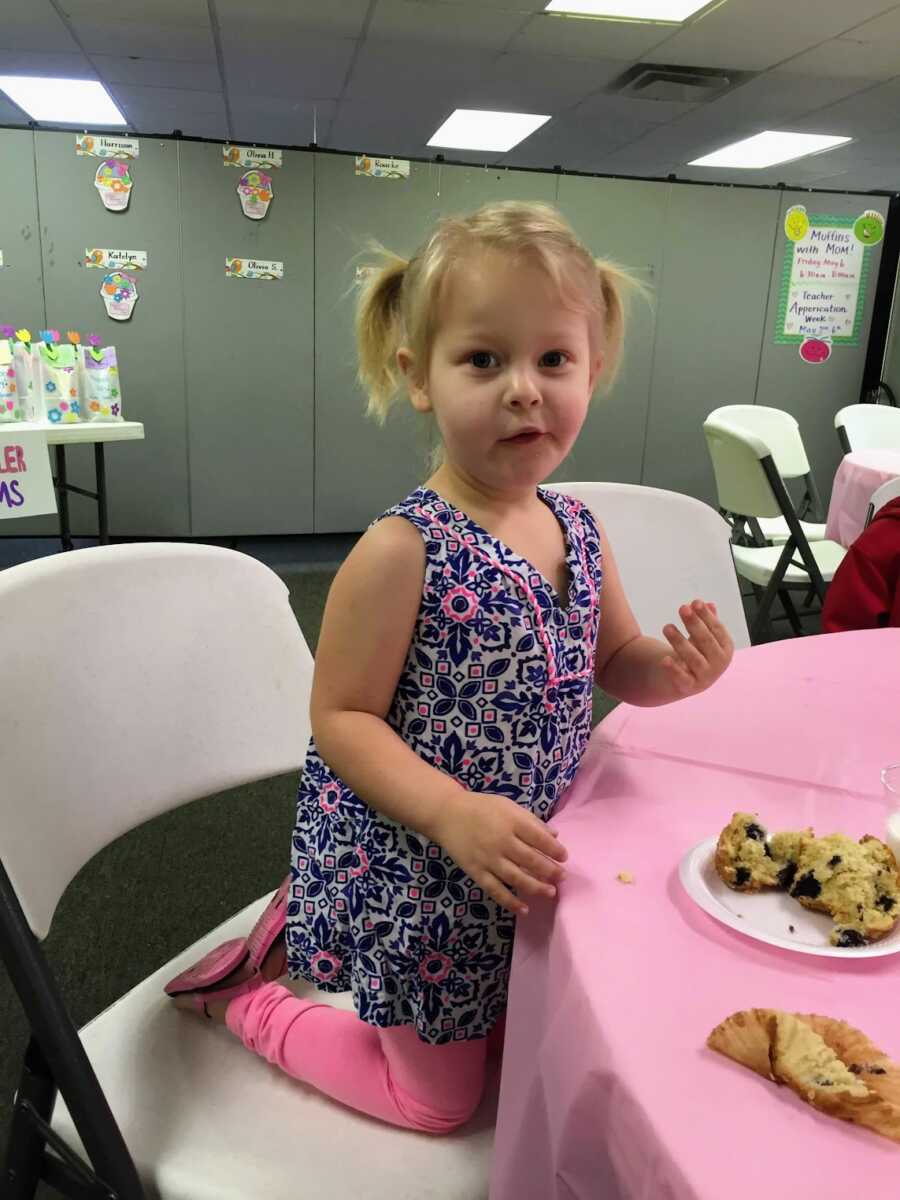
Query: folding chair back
x,y
889,490
750,486
777,429
669,548
868,427
741,485
139,677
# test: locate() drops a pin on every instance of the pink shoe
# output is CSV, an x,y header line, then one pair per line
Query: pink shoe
x,y
219,963
197,1000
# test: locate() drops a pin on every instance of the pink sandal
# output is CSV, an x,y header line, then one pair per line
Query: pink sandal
x,y
219,963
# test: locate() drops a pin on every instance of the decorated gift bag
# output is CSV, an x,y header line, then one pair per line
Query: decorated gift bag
x,y
25,372
11,407
101,394
56,384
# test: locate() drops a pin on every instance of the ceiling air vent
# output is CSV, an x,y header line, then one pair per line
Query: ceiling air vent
x,y
685,85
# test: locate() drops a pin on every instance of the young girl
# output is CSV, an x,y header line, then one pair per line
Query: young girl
x,y
451,703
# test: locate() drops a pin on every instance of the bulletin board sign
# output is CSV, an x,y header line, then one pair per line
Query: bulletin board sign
x,y
26,484
827,262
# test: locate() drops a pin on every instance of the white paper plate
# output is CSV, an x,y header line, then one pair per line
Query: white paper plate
x,y
768,915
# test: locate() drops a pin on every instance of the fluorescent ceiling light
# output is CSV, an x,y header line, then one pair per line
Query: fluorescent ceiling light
x,y
473,129
769,148
629,10
62,101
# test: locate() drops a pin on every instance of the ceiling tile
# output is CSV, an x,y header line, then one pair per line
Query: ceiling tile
x,y
628,110
177,13
867,112
239,18
450,25
155,72
34,62
9,114
192,43
569,37
370,129
278,121
846,56
161,110
303,66
35,26
755,34
384,71
522,82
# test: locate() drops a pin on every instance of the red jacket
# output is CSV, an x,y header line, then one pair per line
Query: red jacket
x,y
865,591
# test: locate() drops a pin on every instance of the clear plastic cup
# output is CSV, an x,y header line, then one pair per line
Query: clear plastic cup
x,y
890,777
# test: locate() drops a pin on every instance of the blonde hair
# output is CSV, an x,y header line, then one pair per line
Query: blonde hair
x,y
398,300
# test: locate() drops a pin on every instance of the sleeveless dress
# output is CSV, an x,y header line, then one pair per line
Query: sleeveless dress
x,y
495,691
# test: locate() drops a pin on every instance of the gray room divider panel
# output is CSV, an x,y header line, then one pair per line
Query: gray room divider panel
x,y
248,349
21,281
147,480
711,313
813,394
361,469
623,220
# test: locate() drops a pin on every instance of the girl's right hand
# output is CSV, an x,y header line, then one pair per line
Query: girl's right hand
x,y
501,846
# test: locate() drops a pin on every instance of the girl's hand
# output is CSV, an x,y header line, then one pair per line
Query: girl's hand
x,y
699,659
501,846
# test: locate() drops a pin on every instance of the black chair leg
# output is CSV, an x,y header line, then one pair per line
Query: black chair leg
x,y
25,1148
790,611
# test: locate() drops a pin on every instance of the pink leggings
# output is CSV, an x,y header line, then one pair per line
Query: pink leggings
x,y
387,1073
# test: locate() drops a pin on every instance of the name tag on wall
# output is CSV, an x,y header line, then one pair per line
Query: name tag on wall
x,y
26,484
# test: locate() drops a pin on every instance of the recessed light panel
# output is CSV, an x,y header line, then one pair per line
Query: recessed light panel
x,y
62,101
475,129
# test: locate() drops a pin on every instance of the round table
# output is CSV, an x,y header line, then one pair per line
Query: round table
x,y
608,1088
857,477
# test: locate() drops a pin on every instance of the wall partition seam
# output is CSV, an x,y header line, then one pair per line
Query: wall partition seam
x,y
765,321
183,325
654,299
315,337
40,230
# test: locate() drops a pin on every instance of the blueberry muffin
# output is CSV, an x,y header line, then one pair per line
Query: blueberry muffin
x,y
785,849
856,883
830,1065
744,857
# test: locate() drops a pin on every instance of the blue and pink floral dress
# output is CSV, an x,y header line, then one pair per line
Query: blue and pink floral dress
x,y
496,691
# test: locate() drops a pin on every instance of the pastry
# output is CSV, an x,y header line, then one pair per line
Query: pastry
x,y
802,1052
856,883
743,857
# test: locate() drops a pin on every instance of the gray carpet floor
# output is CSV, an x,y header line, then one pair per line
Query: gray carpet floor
x,y
157,889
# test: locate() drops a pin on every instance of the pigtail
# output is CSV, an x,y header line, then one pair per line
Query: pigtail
x,y
379,327
616,287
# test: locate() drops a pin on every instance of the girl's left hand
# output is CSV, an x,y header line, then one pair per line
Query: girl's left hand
x,y
701,657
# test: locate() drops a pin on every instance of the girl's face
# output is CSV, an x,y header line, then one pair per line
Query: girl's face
x,y
510,376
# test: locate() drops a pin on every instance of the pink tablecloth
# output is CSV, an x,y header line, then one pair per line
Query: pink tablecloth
x,y
608,1090
857,477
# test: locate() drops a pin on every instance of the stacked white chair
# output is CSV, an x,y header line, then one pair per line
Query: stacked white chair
x,y
750,486
781,433
868,427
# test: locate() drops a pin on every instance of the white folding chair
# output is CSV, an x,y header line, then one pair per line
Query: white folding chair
x,y
669,549
781,433
750,486
868,427
889,490
189,675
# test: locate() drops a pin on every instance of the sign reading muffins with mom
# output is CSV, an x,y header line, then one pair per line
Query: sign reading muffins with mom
x,y
26,486
826,268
